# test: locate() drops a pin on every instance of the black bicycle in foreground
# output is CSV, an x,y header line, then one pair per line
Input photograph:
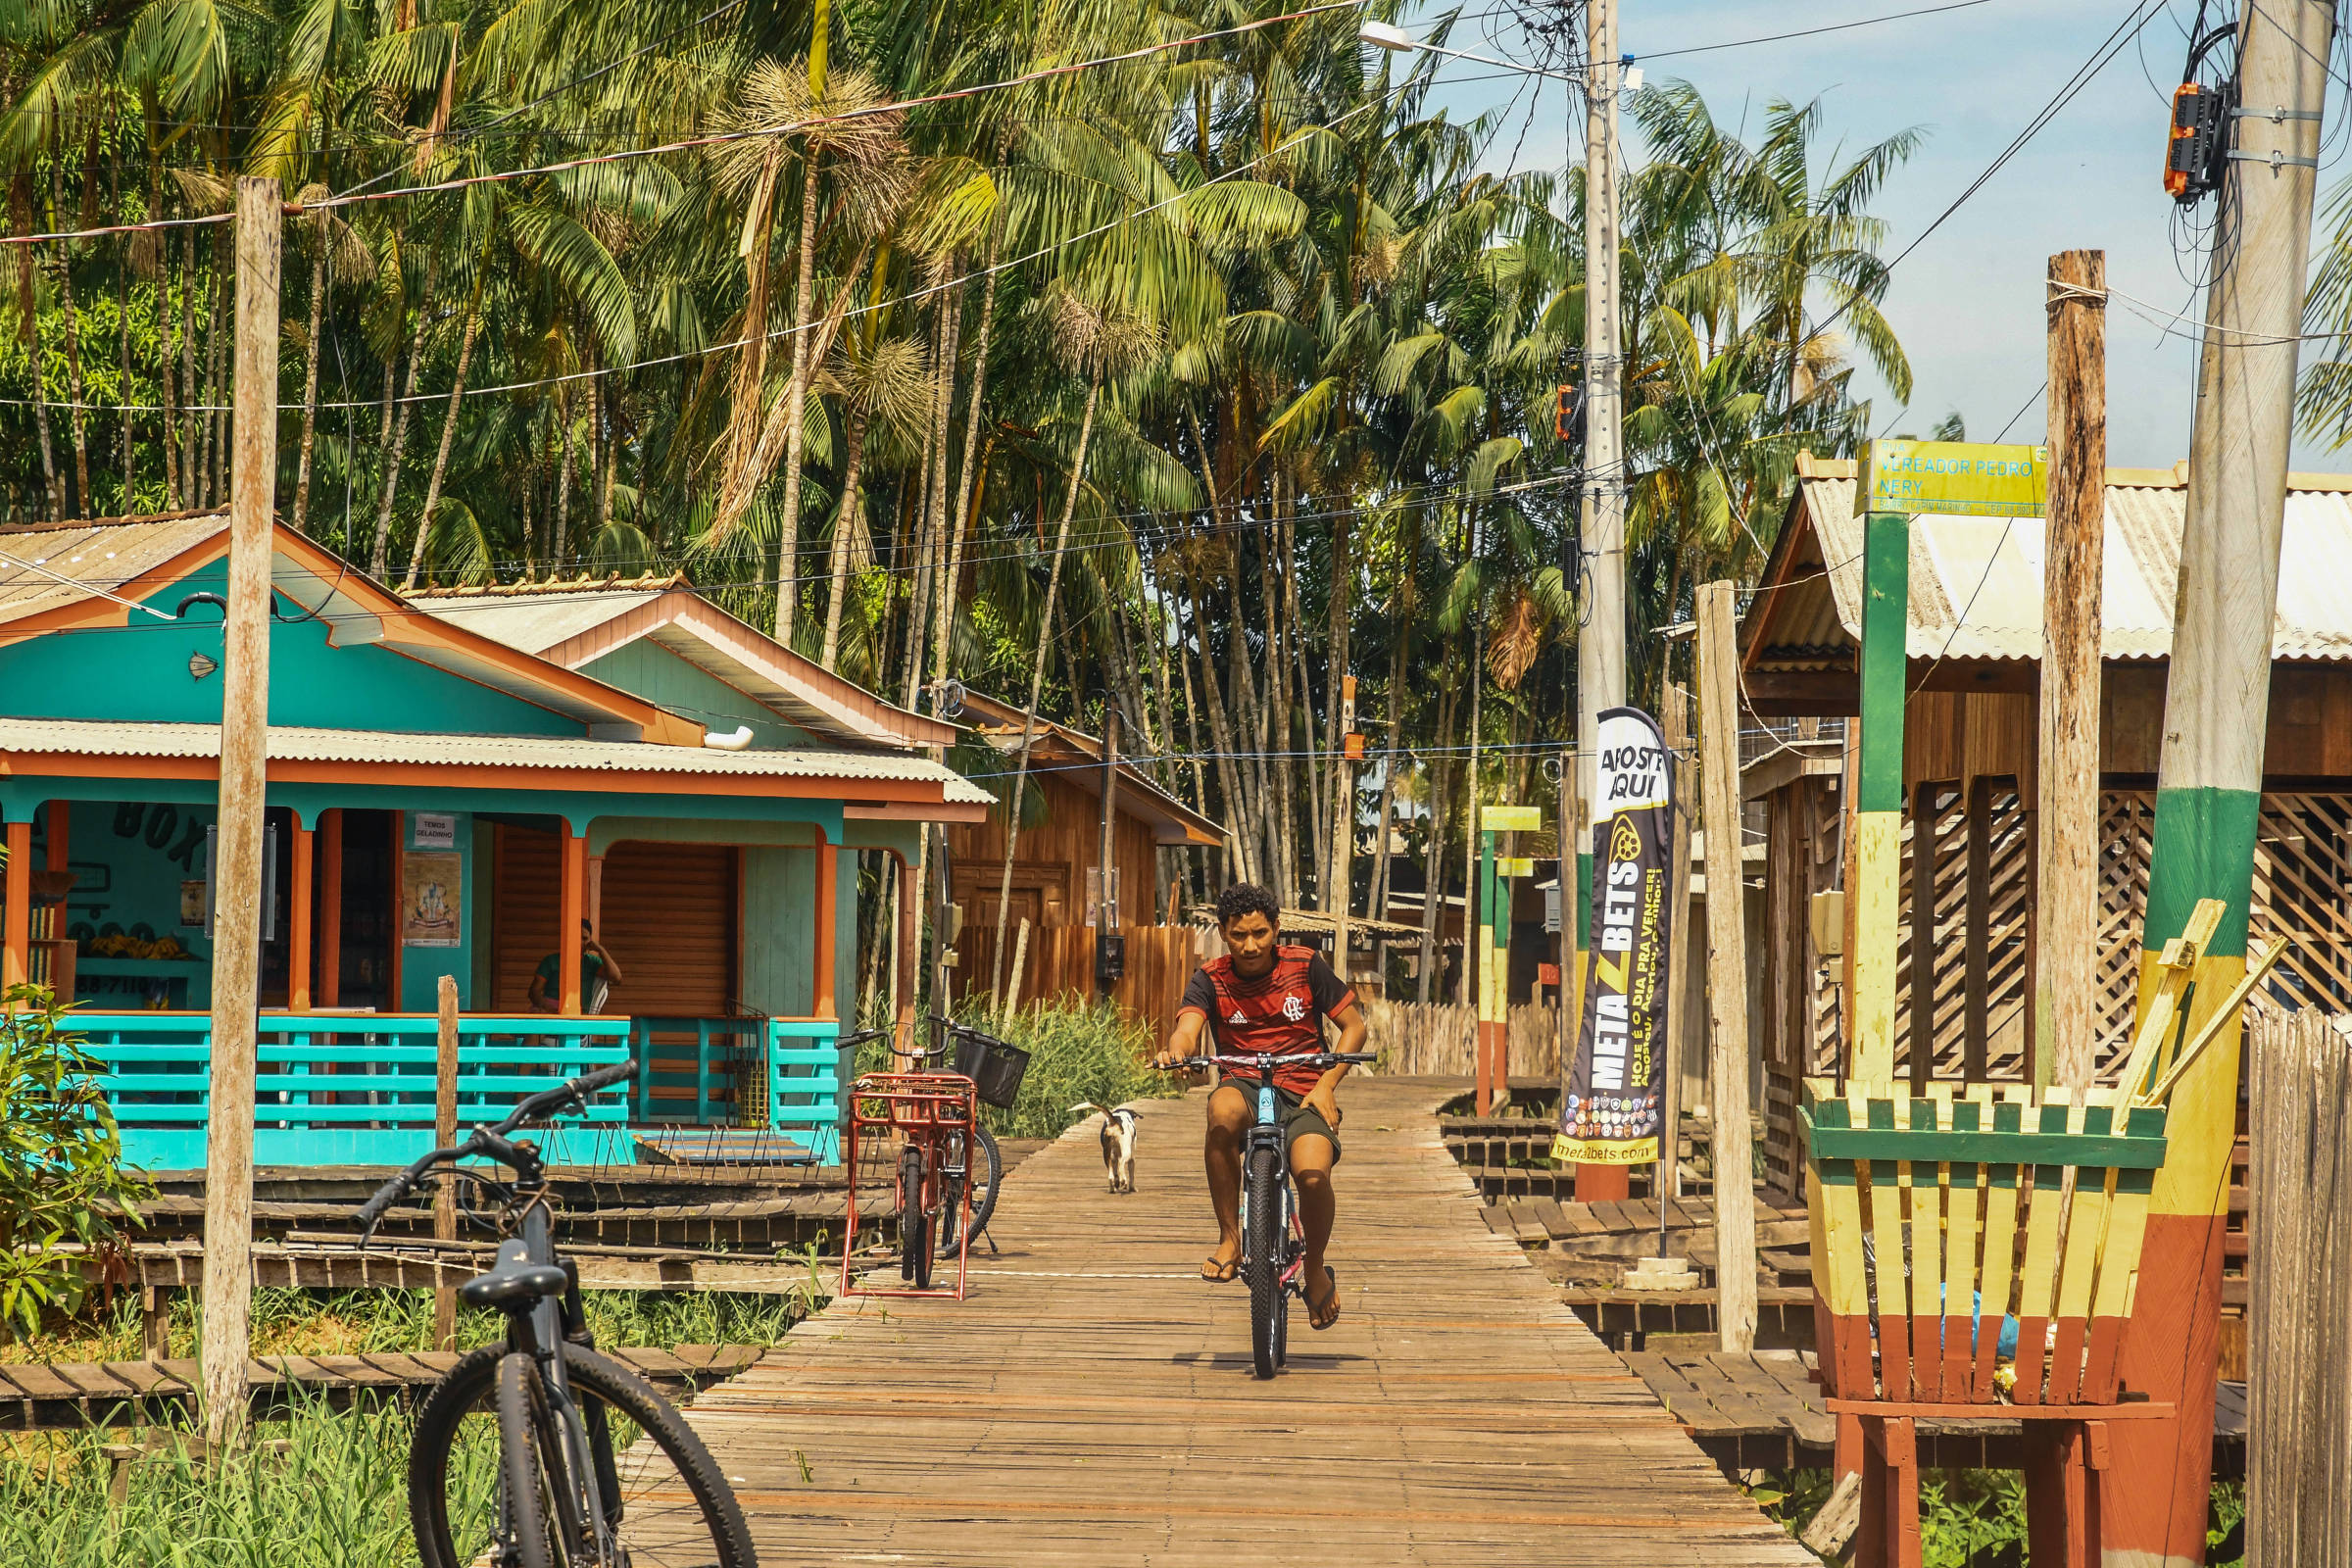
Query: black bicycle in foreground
x,y
1273,1244
593,1468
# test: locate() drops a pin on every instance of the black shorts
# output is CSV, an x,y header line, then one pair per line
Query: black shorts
x,y
1296,1117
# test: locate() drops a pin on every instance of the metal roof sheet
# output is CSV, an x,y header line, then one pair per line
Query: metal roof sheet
x,y
1976,582
287,743
102,554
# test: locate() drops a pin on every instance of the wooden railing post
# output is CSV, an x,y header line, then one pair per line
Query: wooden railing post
x,y
1727,969
445,1134
15,950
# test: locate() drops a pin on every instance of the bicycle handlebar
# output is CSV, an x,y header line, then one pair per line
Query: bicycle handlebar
x,y
1236,1062
492,1141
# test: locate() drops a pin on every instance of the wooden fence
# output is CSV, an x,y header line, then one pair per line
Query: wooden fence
x,y
2299,1419
1440,1039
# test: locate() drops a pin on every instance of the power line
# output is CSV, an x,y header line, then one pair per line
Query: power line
x,y
1807,32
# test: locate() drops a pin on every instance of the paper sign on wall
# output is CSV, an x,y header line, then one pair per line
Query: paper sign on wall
x,y
431,900
433,830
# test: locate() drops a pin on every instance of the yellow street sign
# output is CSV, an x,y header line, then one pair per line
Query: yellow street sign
x,y
1514,866
1510,818
1972,477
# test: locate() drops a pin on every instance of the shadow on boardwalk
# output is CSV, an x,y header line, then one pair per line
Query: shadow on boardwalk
x,y
1092,1401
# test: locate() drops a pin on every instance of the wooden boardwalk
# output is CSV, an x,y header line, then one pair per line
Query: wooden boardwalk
x,y
1091,1402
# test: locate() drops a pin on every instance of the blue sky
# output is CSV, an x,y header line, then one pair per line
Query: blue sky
x,y
1967,305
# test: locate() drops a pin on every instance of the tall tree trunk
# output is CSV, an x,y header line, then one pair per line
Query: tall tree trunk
x,y
1240,830
1478,683
28,332
167,320
795,403
1037,681
1401,633
967,491
79,419
1343,586
607,448
309,379
449,421
191,439
951,515
559,544
122,347
1276,733
844,528
215,350
1433,851
1317,813
380,558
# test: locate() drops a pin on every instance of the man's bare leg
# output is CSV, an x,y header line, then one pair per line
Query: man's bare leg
x,y
1229,1117
1312,1159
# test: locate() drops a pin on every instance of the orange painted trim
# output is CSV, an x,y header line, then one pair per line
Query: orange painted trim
x,y
61,834
94,612
572,911
912,811
330,910
481,775
16,946
828,870
298,931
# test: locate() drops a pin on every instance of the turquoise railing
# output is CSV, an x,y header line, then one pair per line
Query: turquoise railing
x,y
346,1088
690,1072
809,1072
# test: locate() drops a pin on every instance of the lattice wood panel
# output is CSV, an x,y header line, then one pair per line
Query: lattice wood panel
x,y
2302,880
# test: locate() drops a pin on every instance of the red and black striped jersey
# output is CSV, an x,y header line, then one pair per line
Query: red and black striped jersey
x,y
1280,1013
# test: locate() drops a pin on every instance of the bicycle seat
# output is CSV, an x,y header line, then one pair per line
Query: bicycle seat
x,y
514,1280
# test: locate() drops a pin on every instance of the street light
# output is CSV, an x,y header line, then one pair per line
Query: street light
x,y
1386,36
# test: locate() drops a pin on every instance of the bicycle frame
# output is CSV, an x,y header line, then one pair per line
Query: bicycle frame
x,y
1265,1132
926,1109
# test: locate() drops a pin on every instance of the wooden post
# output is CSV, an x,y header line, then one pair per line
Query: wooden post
x,y
298,925
395,951
1727,969
1922,935
2067,896
1481,954
1571,976
1020,968
61,835
1677,730
445,1134
828,881
15,950
244,752
572,910
1106,913
1874,895
906,955
1977,946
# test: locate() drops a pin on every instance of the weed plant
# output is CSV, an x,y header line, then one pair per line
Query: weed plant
x,y
1967,1518
1076,1053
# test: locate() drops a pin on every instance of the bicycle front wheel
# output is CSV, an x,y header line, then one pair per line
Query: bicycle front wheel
x,y
917,1197
1264,1239
667,1502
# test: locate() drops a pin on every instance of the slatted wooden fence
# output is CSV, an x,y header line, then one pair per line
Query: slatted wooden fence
x,y
1440,1039
1061,967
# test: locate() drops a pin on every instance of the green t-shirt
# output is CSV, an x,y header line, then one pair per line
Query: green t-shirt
x,y
550,972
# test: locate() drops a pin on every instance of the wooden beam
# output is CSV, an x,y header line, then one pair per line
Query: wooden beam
x,y
395,951
298,925
573,910
2066,895
16,950
1730,1055
330,908
828,880
244,767
61,837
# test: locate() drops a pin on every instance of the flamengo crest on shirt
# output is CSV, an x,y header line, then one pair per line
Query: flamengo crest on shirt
x,y
1616,1087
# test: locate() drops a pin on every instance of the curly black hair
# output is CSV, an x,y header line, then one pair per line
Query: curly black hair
x,y
1247,897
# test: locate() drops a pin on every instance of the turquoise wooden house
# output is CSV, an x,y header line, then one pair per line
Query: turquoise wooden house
x,y
453,791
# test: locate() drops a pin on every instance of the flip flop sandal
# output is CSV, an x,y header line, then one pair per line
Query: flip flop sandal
x,y
1315,1316
1217,1273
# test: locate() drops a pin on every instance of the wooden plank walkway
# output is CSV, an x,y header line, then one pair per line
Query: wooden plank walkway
x,y
1092,1401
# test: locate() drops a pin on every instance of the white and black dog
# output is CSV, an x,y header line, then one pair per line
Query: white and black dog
x,y
1118,1144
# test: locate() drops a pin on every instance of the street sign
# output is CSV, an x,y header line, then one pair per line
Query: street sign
x,y
1514,866
1971,477
1510,818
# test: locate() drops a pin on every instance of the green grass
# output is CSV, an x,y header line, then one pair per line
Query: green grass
x,y
1076,1053
335,1497
1967,1518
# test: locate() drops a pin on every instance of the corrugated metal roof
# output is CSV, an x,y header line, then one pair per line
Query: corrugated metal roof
x,y
1976,582
102,554
535,622
87,738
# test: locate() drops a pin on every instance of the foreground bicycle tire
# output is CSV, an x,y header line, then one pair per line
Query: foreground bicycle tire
x,y
657,1527
1264,1238
916,1221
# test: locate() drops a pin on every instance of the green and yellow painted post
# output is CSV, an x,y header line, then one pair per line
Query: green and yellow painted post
x,y
1495,947
1877,808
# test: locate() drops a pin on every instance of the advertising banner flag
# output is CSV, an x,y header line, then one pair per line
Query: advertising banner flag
x,y
1616,1087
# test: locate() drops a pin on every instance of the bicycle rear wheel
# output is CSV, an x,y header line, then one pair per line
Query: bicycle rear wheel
x,y
667,1502
918,1198
1263,1238
984,1168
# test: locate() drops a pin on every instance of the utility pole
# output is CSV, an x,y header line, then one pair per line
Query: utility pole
x,y
2209,774
1107,888
1727,969
244,752
2067,899
1600,639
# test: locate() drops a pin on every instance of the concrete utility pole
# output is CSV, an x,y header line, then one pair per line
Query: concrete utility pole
x,y
2209,776
1343,833
1601,640
2067,899
1727,968
244,752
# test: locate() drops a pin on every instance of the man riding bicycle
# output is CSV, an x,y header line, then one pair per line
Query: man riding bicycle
x,y
1263,999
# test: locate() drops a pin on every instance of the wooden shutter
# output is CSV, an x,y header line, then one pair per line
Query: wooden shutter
x,y
669,920
526,907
